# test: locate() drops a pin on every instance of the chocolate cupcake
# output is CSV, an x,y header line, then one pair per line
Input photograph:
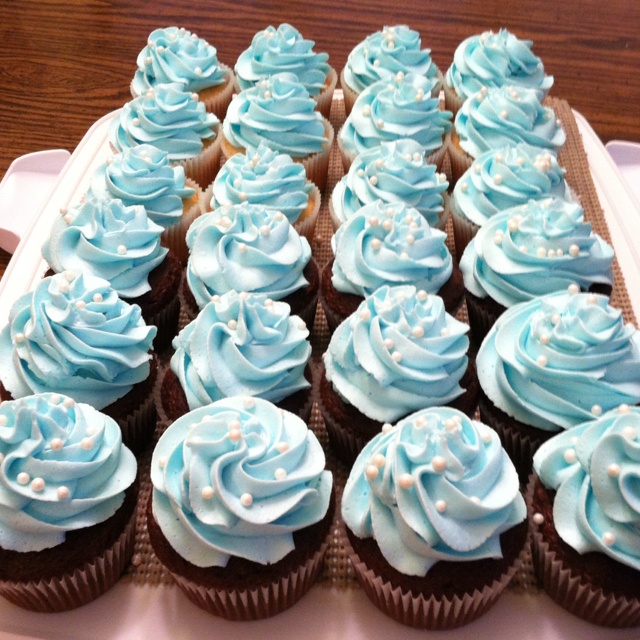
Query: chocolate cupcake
x,y
399,352
435,520
68,497
241,507
585,518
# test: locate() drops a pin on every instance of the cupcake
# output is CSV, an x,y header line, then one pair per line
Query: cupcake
x,y
528,251
174,121
552,363
399,352
495,118
393,109
501,179
380,56
492,60
387,245
265,177
119,243
175,55
395,171
143,175
73,335
284,49
280,112
68,498
241,507
586,518
240,344
253,249
435,520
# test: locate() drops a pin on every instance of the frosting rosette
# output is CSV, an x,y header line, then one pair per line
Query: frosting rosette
x,y
176,55
242,344
595,470
507,177
383,54
75,336
505,115
399,352
143,175
494,60
264,177
395,171
247,248
381,245
436,486
560,359
107,239
283,49
168,118
64,467
279,111
401,107
237,478
534,249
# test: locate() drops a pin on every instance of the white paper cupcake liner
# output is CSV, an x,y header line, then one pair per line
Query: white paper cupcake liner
x,y
427,612
256,604
324,99
78,587
203,168
317,165
350,96
570,592
217,99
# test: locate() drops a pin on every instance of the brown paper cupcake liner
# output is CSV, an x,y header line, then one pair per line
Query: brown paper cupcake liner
x,y
570,591
203,168
481,316
255,604
306,224
350,96
463,230
324,99
138,427
452,101
79,586
217,99
344,443
166,320
427,612
174,236
460,160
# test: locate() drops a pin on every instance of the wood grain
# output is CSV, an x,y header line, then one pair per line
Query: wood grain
x,y
65,64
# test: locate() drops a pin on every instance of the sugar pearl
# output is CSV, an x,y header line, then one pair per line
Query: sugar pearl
x,y
249,402
37,485
365,315
396,356
464,187
386,427
19,337
555,318
538,518
497,179
87,444
545,338
235,435
380,123
242,247
624,408
62,493
630,433
475,500
281,447
122,249
379,460
207,493
570,456
422,295
596,410
280,473
450,424
504,114
541,252
444,331
388,343
68,403
574,250
366,110
376,244
417,332
439,463
232,324
23,478
613,470
441,506
246,499
498,157
97,297
608,538
3,421
360,173
592,298
573,288
387,225
405,481
373,180
372,472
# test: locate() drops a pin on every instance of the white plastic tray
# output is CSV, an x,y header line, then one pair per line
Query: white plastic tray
x,y
132,612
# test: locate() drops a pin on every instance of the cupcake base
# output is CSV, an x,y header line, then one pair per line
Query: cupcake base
x,y
349,430
338,306
245,590
451,594
591,586
71,574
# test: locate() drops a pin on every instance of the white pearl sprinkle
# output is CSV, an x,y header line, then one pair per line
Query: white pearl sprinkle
x,y
519,161
541,252
439,463
592,298
3,421
302,325
232,324
545,338
215,298
267,94
242,195
246,499
148,61
444,331
365,315
379,163
498,238
360,173
62,493
122,249
477,168
376,244
380,123
504,114
498,157
608,538
23,478
422,295
249,402
555,318
136,122
464,187
376,63
68,403
405,481
486,437
512,224
386,427
372,472
379,460
280,473
37,485
523,249
419,97
242,247
373,221
450,424
87,444
630,433
573,288
624,408
441,506
55,398
19,337
538,518
570,456
551,253
160,49
421,422
81,304
410,239
475,500
64,287
396,356
388,343
281,447
559,252
596,410
235,435
264,230
97,297
497,179
373,180
417,332
574,250
613,470
387,225
207,493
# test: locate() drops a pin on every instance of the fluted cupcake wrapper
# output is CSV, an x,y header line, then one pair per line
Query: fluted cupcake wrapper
x,y
333,318
256,604
78,587
217,99
166,320
427,612
570,591
452,101
463,230
481,318
460,160
350,96
306,224
204,167
138,427
325,98
174,237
